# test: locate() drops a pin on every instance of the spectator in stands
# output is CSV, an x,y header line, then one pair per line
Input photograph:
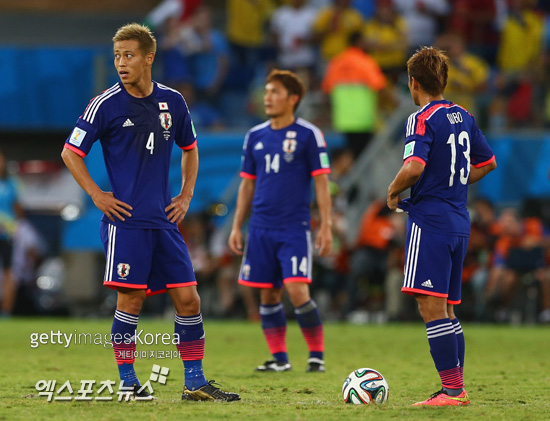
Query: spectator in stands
x,y
292,29
29,250
181,10
423,19
9,209
245,28
519,61
333,27
386,39
369,260
353,80
208,54
475,21
468,74
483,234
518,250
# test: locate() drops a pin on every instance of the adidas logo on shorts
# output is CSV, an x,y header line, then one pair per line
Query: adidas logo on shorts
x,y
427,284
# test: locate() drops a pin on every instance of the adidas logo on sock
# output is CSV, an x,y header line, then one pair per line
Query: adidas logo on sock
x,y
427,284
127,123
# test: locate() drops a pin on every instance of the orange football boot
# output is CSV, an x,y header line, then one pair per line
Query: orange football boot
x,y
440,398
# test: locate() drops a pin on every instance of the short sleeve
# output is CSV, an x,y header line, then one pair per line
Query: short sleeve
x,y
317,155
248,165
88,129
418,140
186,136
481,153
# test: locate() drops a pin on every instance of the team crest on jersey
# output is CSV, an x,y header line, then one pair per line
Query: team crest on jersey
x,y
123,270
165,120
246,271
289,146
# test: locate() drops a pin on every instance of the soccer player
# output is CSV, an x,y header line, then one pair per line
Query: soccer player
x,y
280,157
138,121
444,152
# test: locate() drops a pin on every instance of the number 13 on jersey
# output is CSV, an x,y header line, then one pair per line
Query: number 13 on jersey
x,y
464,173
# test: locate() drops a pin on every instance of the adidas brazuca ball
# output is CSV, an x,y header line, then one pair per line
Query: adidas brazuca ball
x,y
365,386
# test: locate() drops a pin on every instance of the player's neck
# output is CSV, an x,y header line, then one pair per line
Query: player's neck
x,y
282,121
425,98
141,89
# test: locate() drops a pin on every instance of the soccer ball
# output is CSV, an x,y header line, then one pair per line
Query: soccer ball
x,y
365,386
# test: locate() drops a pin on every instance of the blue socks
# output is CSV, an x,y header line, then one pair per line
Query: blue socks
x,y
122,336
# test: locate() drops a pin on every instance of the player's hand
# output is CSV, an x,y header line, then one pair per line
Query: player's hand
x,y
107,203
392,202
323,243
236,241
177,210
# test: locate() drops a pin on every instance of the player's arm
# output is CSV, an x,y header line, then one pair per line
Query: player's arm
x,y
477,173
409,174
244,200
189,169
324,236
104,201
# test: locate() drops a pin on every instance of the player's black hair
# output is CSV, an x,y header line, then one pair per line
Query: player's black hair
x,y
290,81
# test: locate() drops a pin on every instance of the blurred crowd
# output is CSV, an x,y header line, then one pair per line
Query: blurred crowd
x,y
352,56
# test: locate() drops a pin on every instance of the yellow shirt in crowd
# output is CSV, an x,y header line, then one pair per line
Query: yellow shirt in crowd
x,y
391,40
336,30
465,77
246,19
520,44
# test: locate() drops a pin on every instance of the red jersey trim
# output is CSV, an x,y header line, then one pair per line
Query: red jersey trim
x,y
181,284
255,284
320,171
415,158
421,121
412,291
249,176
191,146
297,279
485,163
113,285
75,150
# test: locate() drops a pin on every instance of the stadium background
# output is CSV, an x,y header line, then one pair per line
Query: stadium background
x,y
56,56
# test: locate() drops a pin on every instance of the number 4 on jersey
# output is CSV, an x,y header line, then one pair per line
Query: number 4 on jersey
x,y
151,143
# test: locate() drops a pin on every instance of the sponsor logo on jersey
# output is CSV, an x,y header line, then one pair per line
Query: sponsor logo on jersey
x,y
259,146
163,106
291,135
323,157
123,270
409,149
289,145
165,120
77,136
427,284
128,123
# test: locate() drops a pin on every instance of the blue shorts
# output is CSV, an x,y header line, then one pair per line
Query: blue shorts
x,y
433,263
150,259
276,257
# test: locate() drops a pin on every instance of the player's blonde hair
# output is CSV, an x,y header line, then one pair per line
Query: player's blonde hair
x,y
141,33
430,68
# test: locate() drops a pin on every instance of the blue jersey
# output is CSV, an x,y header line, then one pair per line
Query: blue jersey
x,y
445,138
137,135
283,163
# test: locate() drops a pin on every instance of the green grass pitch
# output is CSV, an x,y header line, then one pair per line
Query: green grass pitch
x,y
507,373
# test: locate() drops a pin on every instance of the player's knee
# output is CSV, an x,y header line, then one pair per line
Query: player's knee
x,y
130,303
270,296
